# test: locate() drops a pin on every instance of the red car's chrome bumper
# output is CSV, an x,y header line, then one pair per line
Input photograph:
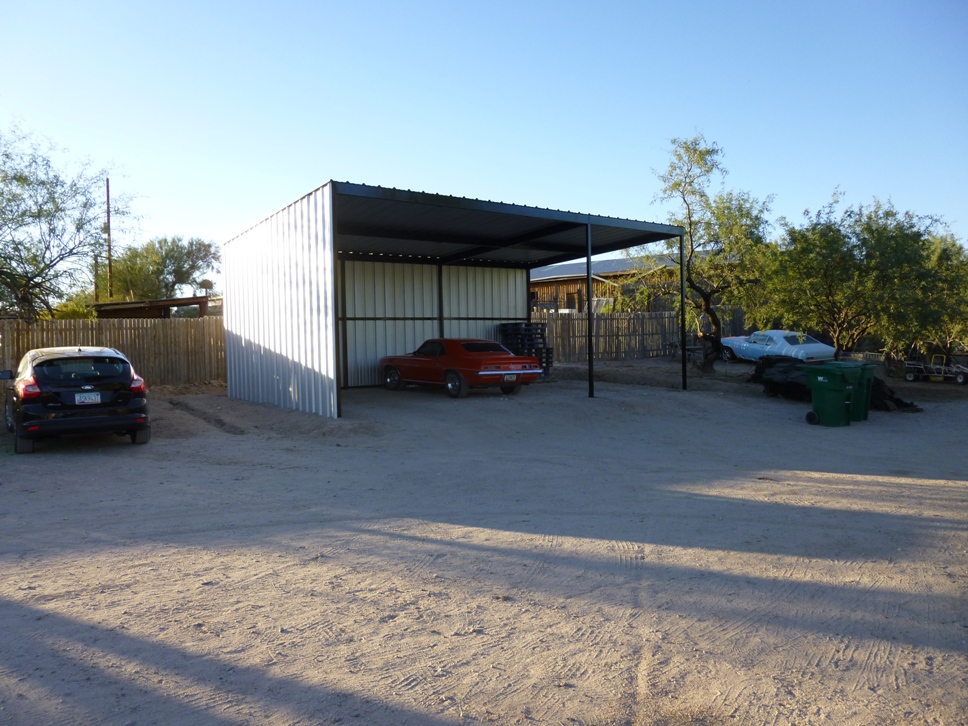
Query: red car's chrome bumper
x,y
496,377
528,372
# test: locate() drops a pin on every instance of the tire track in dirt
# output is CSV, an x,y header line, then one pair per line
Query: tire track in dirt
x,y
630,554
540,561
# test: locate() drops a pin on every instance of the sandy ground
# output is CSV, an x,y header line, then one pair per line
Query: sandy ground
x,y
649,556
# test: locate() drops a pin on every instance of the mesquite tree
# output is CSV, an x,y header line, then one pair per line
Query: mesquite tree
x,y
725,233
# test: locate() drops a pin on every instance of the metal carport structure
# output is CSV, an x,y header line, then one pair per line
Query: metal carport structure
x,y
289,319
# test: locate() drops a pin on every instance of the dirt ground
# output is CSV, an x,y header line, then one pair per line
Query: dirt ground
x,y
645,557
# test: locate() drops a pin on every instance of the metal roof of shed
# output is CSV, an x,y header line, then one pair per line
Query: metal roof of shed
x,y
400,225
577,269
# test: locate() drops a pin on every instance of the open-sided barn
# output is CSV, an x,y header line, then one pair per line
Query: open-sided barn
x,y
316,293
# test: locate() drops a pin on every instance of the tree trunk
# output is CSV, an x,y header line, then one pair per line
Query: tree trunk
x,y
712,346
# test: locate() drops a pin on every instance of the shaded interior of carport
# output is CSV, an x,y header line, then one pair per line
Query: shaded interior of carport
x,y
417,227
316,292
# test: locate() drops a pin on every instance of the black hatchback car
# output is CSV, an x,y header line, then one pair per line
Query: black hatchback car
x,y
82,390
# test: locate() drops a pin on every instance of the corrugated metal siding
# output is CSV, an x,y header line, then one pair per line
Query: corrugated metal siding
x,y
390,309
280,318
478,299
281,327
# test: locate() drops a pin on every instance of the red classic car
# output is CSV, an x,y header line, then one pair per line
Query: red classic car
x,y
460,364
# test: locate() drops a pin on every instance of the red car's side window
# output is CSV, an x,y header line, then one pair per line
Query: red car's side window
x,y
431,348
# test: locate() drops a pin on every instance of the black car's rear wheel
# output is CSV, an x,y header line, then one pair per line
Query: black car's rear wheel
x,y
910,376
455,384
392,379
141,436
23,445
511,390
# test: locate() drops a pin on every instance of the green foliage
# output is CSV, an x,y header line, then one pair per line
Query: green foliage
x,y
945,321
651,282
50,227
159,267
77,306
860,274
724,241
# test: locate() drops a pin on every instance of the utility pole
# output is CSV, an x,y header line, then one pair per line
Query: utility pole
x,y
107,185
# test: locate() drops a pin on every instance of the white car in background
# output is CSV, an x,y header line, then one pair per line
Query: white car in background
x,y
776,342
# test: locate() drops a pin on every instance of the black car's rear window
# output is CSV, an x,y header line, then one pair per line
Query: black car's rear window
x,y
94,368
484,347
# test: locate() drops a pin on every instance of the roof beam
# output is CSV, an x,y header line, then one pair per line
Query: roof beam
x,y
479,245
528,240
393,233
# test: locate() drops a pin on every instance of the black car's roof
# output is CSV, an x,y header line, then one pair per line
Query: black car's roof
x,y
79,351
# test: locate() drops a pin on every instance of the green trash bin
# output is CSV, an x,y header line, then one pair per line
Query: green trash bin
x,y
831,387
860,405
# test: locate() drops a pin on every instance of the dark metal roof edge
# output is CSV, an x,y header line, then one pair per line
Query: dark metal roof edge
x,y
160,302
442,200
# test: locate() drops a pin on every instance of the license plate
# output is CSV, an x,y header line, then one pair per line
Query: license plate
x,y
86,398
510,376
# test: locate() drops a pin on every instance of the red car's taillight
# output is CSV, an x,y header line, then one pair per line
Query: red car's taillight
x,y
137,383
28,388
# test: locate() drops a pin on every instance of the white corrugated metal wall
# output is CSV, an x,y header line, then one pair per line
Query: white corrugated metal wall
x,y
280,314
392,308
281,325
477,299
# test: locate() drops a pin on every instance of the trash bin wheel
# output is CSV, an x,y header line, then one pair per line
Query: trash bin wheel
x,y
812,418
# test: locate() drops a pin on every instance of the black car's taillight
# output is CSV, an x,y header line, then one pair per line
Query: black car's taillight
x,y
28,388
137,383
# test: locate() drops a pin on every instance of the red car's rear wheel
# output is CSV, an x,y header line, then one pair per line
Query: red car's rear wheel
x,y
456,385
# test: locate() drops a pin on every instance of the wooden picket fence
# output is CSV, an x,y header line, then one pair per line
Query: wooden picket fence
x,y
618,336
178,351
164,352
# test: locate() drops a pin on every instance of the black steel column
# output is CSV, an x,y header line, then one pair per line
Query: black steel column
x,y
527,291
440,301
591,314
682,309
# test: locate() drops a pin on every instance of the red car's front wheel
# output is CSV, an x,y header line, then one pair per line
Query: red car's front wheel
x,y
392,379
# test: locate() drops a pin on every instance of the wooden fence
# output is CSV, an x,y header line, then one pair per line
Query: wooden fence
x,y
184,350
163,351
618,336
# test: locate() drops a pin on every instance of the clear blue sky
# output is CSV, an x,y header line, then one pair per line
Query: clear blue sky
x,y
216,114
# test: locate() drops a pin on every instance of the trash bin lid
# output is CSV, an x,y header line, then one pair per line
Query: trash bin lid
x,y
850,370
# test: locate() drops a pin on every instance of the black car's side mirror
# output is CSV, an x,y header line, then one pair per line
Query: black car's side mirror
x,y
6,375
